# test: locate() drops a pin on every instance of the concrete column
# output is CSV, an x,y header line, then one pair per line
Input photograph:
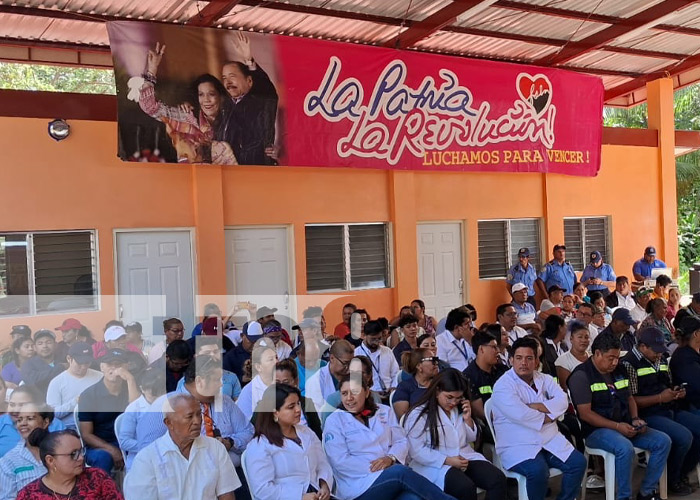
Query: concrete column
x,y
402,192
661,118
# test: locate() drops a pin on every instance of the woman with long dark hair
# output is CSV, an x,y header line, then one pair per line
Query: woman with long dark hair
x,y
285,459
367,448
193,132
63,455
440,428
553,334
22,350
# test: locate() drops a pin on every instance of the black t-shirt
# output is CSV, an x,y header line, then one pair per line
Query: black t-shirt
x,y
400,348
581,394
98,406
480,382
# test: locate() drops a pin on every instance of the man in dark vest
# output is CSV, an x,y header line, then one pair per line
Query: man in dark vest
x,y
599,390
662,404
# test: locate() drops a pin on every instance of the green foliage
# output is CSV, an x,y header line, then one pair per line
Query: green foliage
x,y
56,78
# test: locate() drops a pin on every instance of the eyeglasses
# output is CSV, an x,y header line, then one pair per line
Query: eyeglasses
x,y
494,346
345,364
74,455
177,330
433,359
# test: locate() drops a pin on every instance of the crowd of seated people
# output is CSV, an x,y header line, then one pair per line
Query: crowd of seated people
x,y
414,407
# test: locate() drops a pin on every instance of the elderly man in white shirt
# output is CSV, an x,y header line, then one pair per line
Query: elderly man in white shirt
x,y
182,464
384,365
454,344
526,405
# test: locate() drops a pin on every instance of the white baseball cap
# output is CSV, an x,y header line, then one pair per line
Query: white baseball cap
x,y
114,333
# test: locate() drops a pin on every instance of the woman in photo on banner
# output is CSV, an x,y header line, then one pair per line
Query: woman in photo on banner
x,y
192,130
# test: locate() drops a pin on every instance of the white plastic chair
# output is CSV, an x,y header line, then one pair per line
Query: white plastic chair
x,y
609,463
117,432
522,481
77,424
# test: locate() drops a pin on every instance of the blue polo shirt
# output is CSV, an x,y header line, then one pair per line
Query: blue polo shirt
x,y
517,274
604,272
526,313
562,275
643,268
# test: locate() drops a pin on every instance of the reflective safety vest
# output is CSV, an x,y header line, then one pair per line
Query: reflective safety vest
x,y
611,402
650,382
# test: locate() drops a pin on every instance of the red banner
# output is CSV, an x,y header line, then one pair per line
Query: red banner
x,y
281,100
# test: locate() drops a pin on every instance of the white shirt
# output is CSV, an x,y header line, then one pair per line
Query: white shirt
x,y
275,473
456,353
454,436
319,386
161,472
638,313
156,352
250,396
516,333
283,350
520,431
351,446
567,361
63,393
384,366
626,302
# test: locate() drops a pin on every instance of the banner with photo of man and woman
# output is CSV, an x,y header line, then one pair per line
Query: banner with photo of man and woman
x,y
204,95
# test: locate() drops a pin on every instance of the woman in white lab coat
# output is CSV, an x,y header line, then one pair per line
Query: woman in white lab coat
x,y
285,459
366,449
440,428
263,359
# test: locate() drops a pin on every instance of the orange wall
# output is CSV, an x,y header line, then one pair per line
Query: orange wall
x,y
81,184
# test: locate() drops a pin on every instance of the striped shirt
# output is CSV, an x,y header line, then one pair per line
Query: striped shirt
x,y
18,468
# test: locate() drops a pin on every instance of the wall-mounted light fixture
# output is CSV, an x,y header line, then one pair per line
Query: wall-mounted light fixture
x,y
59,129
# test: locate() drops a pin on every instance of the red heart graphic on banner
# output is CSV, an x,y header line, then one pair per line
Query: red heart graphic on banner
x,y
535,90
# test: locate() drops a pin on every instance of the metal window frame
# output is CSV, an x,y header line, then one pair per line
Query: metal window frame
x,y
31,274
508,241
347,278
608,239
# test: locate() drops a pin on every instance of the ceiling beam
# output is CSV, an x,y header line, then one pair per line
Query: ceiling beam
x,y
436,21
639,21
675,69
212,12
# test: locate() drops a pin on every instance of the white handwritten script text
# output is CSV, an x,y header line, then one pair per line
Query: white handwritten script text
x,y
432,117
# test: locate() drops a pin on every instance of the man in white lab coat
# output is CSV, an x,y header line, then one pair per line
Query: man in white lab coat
x,y
384,365
526,405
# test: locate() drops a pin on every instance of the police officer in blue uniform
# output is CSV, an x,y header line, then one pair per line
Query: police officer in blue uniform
x,y
598,276
642,268
557,272
523,272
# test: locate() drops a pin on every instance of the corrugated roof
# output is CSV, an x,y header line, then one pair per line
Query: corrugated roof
x,y
493,48
616,8
507,29
531,24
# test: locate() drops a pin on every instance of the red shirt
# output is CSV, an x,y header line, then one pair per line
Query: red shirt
x,y
341,331
92,484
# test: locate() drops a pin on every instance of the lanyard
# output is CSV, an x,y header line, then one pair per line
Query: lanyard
x,y
462,352
376,367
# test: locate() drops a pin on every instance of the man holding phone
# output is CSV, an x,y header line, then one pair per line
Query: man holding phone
x,y
662,404
600,391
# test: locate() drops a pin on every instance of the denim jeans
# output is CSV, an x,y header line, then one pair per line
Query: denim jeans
x,y
536,471
95,457
402,483
684,431
656,443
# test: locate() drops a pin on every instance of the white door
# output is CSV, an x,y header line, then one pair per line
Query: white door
x,y
257,270
155,278
440,267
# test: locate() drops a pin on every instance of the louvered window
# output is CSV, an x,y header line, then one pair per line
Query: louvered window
x,y
47,272
583,236
499,242
346,257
